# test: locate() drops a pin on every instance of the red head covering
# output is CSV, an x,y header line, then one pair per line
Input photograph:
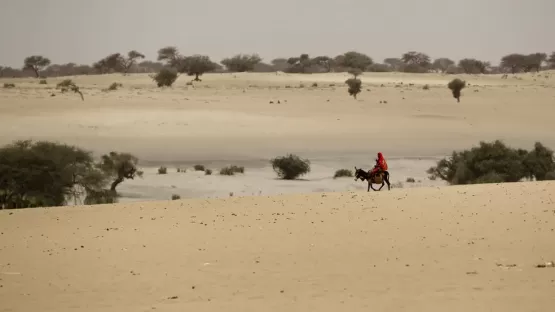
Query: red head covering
x,y
380,156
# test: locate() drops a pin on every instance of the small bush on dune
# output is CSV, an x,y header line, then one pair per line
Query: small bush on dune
x,y
165,77
114,86
227,171
199,168
290,167
68,85
354,86
456,85
208,172
9,85
162,170
410,180
232,170
238,169
176,197
343,173
43,82
426,87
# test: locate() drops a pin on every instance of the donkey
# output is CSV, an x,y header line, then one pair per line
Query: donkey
x,y
379,178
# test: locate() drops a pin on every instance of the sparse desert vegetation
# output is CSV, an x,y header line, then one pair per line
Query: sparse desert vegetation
x,y
290,167
213,170
343,173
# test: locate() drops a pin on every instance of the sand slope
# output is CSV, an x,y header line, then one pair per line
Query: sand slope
x,y
429,249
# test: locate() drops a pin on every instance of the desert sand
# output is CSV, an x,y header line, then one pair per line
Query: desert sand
x,y
318,244
426,249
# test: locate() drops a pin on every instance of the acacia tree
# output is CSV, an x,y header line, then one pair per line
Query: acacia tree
x,y
241,62
299,64
495,162
170,55
324,61
473,66
551,60
118,167
394,63
534,61
36,63
34,174
111,63
353,59
514,62
132,57
280,64
197,65
442,64
416,62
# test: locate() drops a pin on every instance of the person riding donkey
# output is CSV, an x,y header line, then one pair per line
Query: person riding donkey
x,y
381,165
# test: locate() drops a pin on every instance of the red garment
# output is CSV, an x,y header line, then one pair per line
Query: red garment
x,y
380,164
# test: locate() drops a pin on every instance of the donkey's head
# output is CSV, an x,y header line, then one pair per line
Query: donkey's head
x,y
360,174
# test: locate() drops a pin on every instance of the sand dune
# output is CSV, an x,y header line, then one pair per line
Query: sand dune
x,y
468,248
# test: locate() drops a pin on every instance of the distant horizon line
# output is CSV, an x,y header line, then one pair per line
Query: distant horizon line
x,y
155,60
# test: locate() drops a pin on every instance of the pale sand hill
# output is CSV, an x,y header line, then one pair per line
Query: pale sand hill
x,y
228,119
468,248
229,116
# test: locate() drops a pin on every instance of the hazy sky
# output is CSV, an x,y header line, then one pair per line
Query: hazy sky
x,y
84,31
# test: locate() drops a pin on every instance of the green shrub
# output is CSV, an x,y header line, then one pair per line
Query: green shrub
x,y
162,170
354,86
8,85
43,82
456,85
343,173
495,163
68,85
165,77
199,168
232,170
290,167
227,171
115,86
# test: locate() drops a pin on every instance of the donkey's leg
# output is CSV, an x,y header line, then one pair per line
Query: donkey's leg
x,y
381,186
370,185
387,181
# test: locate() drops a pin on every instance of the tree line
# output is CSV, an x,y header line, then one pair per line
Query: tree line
x,y
196,65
